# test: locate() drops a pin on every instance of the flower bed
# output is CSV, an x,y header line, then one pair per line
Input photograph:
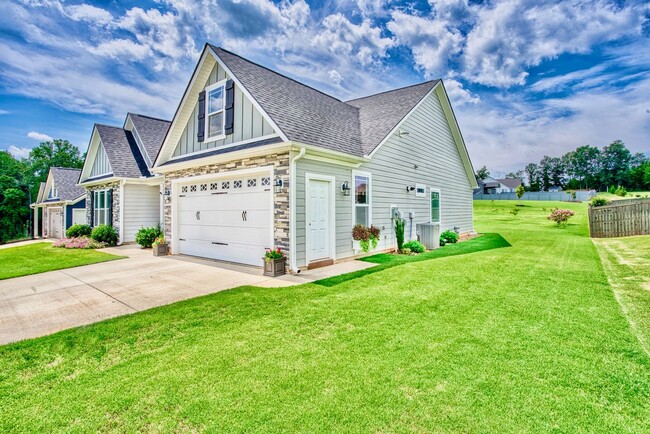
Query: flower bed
x,y
79,243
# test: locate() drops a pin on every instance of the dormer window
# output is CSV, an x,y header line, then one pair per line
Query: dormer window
x,y
215,111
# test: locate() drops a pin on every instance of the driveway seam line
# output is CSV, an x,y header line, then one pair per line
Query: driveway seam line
x,y
103,292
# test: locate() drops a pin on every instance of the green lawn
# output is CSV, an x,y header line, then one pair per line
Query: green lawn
x,y
41,257
630,195
527,338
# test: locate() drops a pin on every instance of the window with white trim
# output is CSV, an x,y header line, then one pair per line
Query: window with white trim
x,y
101,207
362,200
435,206
215,116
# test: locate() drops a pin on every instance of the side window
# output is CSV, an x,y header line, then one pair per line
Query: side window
x,y
362,200
214,113
435,206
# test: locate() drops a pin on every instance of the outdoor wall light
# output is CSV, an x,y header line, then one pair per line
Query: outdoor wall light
x,y
345,188
402,133
168,192
277,185
409,188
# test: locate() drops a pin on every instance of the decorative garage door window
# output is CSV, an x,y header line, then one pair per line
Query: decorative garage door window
x,y
256,183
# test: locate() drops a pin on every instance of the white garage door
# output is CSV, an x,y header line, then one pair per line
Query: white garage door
x,y
226,219
56,223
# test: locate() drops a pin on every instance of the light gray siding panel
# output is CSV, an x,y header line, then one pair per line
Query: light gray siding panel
x,y
101,165
248,122
141,208
428,155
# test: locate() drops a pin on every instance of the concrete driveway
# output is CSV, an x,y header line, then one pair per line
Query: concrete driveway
x,y
41,304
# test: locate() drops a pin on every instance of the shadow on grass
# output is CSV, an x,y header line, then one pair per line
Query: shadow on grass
x,y
487,241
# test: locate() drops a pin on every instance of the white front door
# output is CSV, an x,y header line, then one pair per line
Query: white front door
x,y
56,223
228,219
318,220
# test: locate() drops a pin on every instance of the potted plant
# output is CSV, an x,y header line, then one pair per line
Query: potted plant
x,y
274,263
363,238
160,246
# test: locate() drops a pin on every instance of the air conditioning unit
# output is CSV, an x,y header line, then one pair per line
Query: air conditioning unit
x,y
429,234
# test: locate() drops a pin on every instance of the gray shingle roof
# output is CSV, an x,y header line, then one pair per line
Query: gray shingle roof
x,y
65,181
510,182
122,151
380,113
151,131
307,115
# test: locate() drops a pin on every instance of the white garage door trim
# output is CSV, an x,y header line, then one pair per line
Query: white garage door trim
x,y
177,184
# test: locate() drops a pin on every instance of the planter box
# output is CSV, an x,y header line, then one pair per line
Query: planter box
x,y
275,267
160,249
356,246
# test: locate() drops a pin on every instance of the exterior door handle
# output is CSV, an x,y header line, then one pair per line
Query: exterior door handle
x,y
245,216
198,215
242,216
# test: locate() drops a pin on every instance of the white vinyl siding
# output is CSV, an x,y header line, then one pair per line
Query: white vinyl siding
x,y
248,122
428,156
101,165
141,209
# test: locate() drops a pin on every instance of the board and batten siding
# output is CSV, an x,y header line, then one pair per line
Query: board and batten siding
x,y
141,208
248,122
429,146
101,165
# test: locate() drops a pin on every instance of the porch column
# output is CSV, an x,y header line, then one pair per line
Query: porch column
x,y
35,222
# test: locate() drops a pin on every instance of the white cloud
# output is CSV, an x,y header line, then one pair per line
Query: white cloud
x,y
335,76
89,13
19,152
431,41
4,112
458,94
39,136
122,49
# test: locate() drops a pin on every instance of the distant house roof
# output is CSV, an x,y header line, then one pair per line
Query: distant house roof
x,y
310,116
65,181
122,152
151,131
510,182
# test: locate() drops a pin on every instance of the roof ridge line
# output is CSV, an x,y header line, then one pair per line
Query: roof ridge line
x,y
277,73
392,90
149,117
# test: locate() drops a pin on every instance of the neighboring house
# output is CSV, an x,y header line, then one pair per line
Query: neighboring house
x,y
120,188
62,202
555,188
488,185
508,185
255,160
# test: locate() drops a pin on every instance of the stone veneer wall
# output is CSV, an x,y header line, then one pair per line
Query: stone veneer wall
x,y
280,163
115,185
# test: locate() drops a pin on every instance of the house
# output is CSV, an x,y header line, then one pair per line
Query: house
x,y
120,188
554,188
256,160
508,185
488,185
62,202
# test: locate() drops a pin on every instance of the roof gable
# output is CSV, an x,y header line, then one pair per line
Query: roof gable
x,y
122,151
149,132
64,180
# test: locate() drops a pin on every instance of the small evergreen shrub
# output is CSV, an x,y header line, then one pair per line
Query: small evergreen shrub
x,y
414,246
105,234
145,237
76,231
620,191
399,233
448,237
599,201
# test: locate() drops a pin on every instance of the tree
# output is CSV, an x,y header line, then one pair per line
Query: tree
x,y
519,174
55,153
14,210
615,163
583,164
532,172
520,190
482,173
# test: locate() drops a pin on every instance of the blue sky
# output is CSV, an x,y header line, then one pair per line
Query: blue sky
x,y
527,78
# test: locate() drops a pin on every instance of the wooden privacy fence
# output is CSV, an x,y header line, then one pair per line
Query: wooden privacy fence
x,y
622,219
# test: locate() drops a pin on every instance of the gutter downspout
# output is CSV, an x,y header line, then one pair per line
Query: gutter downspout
x,y
292,208
121,214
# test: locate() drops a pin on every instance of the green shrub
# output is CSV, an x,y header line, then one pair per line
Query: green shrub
x,y
599,201
105,234
414,246
448,237
620,191
399,233
145,237
612,189
75,231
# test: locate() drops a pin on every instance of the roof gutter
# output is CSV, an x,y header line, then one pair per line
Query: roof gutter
x,y
292,208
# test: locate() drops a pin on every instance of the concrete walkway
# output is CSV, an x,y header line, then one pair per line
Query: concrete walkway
x,y
41,304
